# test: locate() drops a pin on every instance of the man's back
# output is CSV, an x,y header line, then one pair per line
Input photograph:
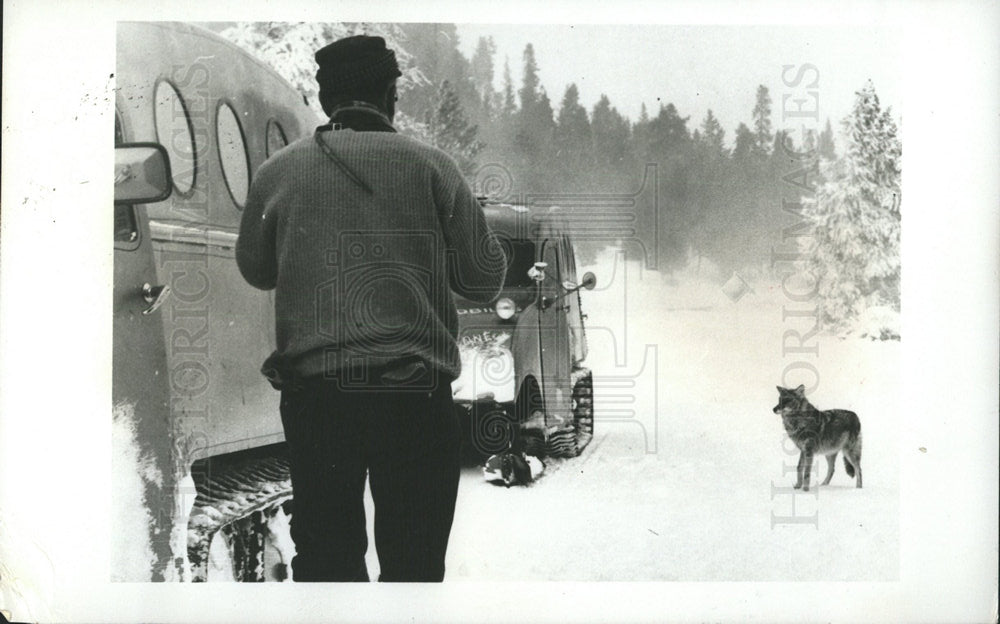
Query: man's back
x,y
355,231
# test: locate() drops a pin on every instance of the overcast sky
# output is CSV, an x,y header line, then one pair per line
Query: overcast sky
x,y
699,67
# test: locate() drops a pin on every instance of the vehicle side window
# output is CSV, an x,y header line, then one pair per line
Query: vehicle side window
x,y
126,228
233,154
568,261
276,138
520,258
551,255
174,132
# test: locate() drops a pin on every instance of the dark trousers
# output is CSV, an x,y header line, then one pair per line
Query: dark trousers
x,y
408,443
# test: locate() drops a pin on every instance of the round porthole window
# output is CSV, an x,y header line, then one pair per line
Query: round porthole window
x,y
233,154
173,131
275,137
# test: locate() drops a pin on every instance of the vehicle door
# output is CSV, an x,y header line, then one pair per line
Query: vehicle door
x,y
554,337
574,314
139,381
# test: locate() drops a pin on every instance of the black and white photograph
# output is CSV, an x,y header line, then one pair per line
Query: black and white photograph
x,y
567,316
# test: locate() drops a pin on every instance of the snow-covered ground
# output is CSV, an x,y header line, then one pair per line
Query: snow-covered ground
x,y
684,479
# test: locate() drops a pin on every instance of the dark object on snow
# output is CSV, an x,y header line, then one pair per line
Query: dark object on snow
x,y
512,468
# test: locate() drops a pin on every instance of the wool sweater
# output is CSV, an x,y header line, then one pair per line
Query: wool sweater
x,y
364,253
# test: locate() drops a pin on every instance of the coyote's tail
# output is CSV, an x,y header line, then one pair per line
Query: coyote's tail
x,y
854,448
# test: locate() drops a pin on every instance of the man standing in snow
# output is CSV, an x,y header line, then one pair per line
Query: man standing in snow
x,y
364,233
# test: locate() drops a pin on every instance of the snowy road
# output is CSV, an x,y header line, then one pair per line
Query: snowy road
x,y
677,484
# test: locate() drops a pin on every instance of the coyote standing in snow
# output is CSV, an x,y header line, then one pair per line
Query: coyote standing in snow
x,y
816,432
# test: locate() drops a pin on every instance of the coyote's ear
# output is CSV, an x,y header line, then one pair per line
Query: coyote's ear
x,y
781,390
801,390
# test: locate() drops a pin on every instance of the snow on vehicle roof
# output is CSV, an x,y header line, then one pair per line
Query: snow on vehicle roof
x,y
521,220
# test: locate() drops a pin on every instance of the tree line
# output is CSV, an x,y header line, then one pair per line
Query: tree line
x,y
711,202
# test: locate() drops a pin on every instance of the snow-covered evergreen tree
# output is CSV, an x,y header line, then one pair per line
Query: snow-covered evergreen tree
x,y
855,218
826,146
289,48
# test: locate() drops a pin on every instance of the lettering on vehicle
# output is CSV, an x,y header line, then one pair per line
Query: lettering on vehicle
x,y
482,310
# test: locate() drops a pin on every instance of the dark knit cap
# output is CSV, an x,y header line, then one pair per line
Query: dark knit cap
x,y
357,62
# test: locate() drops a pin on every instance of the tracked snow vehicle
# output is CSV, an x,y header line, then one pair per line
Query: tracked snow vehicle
x,y
523,380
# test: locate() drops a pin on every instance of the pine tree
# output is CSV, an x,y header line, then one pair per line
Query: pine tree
x,y
534,130
509,104
573,140
572,117
482,73
499,130
482,64
749,197
826,146
610,144
668,131
528,93
711,197
435,51
809,144
669,145
783,142
855,217
745,141
712,134
449,129
762,122
639,145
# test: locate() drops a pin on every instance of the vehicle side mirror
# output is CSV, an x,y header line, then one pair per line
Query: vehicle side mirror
x,y
142,173
589,281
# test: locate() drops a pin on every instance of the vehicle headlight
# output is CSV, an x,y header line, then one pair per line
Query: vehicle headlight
x,y
506,308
